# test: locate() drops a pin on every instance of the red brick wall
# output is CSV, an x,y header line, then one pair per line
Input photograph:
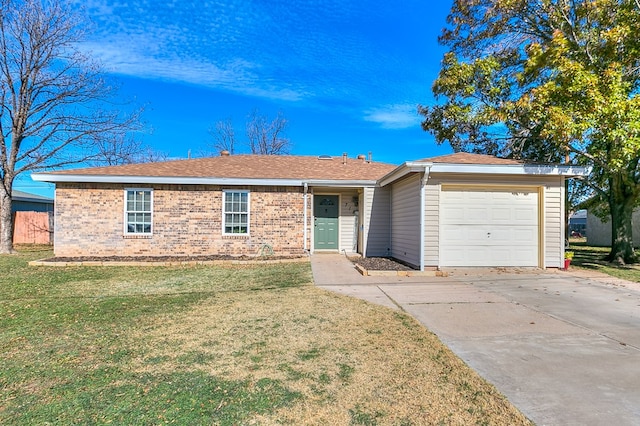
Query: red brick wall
x,y
187,220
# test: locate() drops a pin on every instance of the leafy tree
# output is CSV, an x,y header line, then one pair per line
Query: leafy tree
x,y
542,80
52,97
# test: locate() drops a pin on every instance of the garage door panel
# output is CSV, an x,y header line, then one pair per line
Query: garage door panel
x,y
494,256
501,214
526,215
488,236
489,227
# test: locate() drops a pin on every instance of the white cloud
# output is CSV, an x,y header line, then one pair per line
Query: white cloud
x,y
295,50
400,116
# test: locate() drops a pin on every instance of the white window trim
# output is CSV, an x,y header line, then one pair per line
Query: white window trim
x,y
224,203
125,223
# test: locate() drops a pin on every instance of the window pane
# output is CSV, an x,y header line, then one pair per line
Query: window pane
x,y
236,213
138,211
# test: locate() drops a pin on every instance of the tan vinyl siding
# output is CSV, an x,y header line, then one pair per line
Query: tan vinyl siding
x,y
553,225
376,215
405,220
431,224
348,231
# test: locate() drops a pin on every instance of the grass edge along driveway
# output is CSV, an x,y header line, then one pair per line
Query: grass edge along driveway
x,y
252,344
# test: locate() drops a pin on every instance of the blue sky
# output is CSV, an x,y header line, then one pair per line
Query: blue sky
x,y
348,75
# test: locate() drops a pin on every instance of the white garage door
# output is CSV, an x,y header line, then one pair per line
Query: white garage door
x,y
492,227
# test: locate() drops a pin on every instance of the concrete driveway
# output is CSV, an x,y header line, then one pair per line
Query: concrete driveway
x,y
564,347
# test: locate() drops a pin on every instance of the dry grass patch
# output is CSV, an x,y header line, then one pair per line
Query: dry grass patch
x,y
229,345
354,363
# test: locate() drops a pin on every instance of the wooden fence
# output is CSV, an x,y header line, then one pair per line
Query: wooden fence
x,y
33,228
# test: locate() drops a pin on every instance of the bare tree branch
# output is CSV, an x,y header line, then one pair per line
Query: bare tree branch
x,y
55,106
267,137
224,136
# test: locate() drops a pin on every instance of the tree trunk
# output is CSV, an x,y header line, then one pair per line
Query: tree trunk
x,y
622,200
6,222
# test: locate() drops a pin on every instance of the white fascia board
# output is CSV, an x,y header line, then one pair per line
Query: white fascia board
x,y
509,169
489,169
342,183
52,177
170,180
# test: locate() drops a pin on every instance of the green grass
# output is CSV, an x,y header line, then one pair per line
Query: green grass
x,y
224,345
66,356
593,258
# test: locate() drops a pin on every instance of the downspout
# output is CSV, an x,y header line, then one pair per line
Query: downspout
x,y
306,203
423,192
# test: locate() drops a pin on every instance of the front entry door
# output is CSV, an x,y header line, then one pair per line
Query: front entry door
x,y
325,211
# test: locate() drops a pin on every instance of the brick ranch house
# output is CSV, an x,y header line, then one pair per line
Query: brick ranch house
x,y
454,210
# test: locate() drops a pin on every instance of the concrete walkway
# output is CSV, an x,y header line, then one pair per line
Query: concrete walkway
x,y
563,347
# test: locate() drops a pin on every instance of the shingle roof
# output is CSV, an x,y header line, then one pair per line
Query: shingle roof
x,y
248,167
468,158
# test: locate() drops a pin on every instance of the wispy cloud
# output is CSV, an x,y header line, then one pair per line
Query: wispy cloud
x,y
394,116
285,50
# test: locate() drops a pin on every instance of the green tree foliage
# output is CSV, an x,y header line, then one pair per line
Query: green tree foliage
x,y
544,80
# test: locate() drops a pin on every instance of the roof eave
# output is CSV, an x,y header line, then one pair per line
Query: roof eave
x,y
512,169
489,169
341,183
403,170
142,180
33,200
175,180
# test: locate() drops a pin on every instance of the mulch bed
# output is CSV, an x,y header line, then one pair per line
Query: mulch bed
x,y
382,264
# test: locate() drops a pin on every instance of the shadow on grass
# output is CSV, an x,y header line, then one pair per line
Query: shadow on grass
x,y
588,256
594,258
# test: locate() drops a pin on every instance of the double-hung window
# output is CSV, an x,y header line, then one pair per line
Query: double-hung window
x,y
235,213
138,211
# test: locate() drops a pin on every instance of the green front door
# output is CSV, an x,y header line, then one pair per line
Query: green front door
x,y
325,212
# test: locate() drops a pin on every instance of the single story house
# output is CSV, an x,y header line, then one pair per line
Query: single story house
x,y
450,211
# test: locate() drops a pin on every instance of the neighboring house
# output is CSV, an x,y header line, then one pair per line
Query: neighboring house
x,y
454,210
578,223
26,202
599,232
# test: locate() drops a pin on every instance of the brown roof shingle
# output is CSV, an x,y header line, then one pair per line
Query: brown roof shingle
x,y
468,158
248,167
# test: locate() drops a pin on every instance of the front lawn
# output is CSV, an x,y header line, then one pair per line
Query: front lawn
x,y
591,257
219,345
